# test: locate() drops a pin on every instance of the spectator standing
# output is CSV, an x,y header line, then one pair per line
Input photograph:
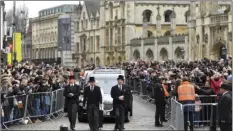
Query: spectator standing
x,y
159,96
197,110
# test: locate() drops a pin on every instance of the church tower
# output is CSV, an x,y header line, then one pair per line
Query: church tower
x,y
199,31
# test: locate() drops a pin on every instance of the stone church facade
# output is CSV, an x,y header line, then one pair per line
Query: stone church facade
x,y
110,32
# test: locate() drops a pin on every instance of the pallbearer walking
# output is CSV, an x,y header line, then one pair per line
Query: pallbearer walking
x,y
225,107
71,93
92,95
120,93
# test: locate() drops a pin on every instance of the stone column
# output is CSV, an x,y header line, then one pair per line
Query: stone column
x,y
142,49
186,48
229,41
170,50
109,37
173,22
145,26
156,49
158,23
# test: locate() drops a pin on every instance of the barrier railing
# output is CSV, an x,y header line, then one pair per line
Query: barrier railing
x,y
197,115
31,106
14,108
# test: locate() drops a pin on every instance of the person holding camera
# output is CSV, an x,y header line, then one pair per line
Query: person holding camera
x,y
71,93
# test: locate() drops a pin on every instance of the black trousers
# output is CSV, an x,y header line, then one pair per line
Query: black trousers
x,y
72,109
225,127
159,113
101,118
188,116
120,117
93,117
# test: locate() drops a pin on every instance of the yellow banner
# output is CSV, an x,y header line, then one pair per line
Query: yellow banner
x,y
18,46
9,59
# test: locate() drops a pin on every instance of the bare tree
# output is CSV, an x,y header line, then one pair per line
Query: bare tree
x,y
21,18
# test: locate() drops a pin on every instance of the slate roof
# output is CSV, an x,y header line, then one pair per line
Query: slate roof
x,y
92,7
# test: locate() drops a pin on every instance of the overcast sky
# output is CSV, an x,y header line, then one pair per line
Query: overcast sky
x,y
35,6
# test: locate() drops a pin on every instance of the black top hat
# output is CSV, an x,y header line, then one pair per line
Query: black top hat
x,y
226,86
120,77
92,79
72,77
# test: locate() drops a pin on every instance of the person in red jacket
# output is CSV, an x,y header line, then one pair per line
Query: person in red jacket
x,y
215,83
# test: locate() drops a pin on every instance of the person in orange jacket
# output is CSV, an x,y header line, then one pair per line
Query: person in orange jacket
x,y
186,95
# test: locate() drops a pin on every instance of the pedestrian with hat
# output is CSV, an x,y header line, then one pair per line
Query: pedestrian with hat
x,y
120,94
93,97
71,93
225,107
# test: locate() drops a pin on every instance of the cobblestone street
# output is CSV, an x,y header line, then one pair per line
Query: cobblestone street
x,y
142,119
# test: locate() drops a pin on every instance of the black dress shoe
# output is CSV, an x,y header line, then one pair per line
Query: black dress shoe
x,y
164,120
158,125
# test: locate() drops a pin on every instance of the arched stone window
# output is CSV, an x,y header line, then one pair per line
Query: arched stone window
x,y
136,55
147,15
167,33
163,54
167,15
178,53
119,59
97,61
186,15
108,61
149,54
149,34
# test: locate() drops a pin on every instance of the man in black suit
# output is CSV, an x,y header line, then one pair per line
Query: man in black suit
x,y
120,93
225,108
71,93
93,96
160,103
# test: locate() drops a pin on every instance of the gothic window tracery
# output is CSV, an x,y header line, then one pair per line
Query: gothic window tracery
x,y
167,15
147,15
167,33
149,34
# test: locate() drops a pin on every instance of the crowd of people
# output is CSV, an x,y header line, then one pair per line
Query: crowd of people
x,y
24,79
167,78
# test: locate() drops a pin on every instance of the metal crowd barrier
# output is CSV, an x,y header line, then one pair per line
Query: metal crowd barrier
x,y
198,115
32,106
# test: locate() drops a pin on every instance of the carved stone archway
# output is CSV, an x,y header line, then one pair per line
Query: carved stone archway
x,y
149,54
97,61
119,59
163,54
108,61
136,55
91,61
217,49
178,53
